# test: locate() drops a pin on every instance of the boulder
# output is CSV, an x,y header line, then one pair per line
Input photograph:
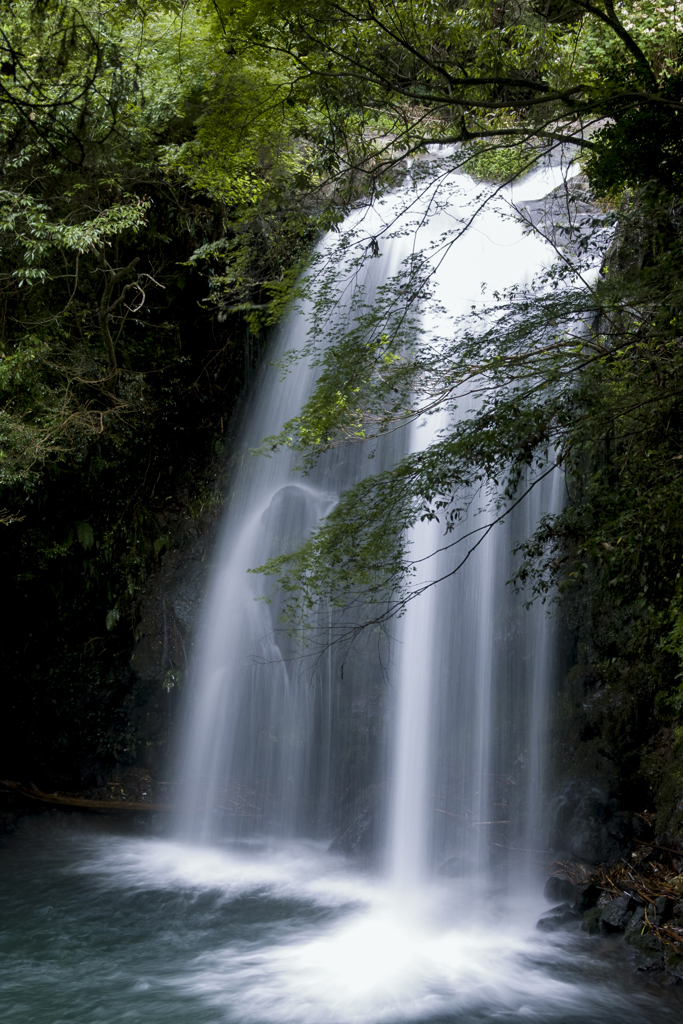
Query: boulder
x,y
586,896
616,914
588,825
674,961
650,949
556,918
591,921
637,919
664,906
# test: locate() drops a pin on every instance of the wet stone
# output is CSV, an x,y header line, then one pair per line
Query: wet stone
x,y
587,896
646,943
556,918
663,908
358,836
591,921
674,961
615,915
637,919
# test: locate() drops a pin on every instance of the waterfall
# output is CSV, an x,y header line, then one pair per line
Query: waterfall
x,y
266,748
425,747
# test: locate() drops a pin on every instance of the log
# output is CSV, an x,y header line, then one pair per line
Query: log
x,y
82,803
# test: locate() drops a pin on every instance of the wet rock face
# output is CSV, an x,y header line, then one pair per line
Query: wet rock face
x,y
568,217
650,952
576,899
360,833
627,915
637,919
587,896
602,913
591,921
358,836
674,963
162,655
587,824
170,611
663,908
616,913
559,890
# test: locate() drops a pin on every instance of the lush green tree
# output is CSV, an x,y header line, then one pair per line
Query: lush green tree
x,y
582,378
120,233
386,79
111,115
440,72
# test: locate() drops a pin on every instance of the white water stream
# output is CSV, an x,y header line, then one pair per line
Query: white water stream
x,y
277,745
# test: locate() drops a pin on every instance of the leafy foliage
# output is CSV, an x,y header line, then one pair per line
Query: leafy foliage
x,y
388,79
118,379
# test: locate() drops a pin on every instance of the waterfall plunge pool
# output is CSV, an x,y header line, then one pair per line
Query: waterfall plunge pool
x,y
102,925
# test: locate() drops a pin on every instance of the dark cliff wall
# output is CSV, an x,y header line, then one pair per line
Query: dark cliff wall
x,y
103,576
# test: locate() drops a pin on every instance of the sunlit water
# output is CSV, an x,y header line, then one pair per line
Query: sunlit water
x,y
100,926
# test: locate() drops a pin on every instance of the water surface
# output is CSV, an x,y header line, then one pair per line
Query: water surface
x,y
102,925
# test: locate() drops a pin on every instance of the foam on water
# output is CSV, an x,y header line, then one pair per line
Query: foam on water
x,y
446,951
282,870
100,928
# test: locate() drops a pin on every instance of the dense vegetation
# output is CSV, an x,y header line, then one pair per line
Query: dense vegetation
x,y
166,167
124,345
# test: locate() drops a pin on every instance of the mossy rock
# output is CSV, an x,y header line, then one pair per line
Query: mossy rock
x,y
674,962
645,942
591,921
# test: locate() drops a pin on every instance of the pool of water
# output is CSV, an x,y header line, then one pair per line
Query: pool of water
x,y
100,924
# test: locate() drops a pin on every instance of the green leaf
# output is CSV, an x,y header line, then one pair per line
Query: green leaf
x,y
85,535
112,618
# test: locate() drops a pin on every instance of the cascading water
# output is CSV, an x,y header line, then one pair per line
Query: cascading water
x,y
424,750
475,669
264,753
426,754
269,744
